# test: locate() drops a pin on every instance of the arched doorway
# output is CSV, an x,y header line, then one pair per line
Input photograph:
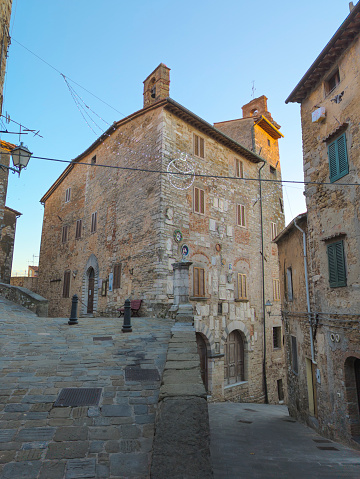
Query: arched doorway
x,y
202,350
91,284
234,370
352,383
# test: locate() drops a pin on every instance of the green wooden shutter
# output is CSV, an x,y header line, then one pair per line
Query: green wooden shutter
x,y
332,161
338,160
342,156
336,259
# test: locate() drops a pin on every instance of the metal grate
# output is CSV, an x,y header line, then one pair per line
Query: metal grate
x,y
138,374
72,397
327,448
102,338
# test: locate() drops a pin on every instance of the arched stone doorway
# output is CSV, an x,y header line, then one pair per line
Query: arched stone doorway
x,y
202,350
89,297
352,383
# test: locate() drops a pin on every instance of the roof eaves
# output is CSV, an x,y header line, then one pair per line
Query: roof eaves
x,y
289,227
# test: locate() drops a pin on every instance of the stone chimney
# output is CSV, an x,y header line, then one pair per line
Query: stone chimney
x,y
157,85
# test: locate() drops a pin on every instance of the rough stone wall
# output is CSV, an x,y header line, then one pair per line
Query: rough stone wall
x,y
26,298
5,13
333,212
8,227
28,282
128,214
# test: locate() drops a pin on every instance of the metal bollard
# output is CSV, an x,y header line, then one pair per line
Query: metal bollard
x,y
127,317
73,315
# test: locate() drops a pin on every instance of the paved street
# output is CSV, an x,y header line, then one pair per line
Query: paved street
x,y
41,356
259,441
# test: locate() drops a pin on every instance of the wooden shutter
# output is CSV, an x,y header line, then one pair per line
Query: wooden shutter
x,y
202,147
196,145
202,202
240,215
289,284
336,260
342,156
199,146
117,276
64,236
338,160
66,286
93,222
199,282
239,169
242,286
276,290
332,161
78,229
199,201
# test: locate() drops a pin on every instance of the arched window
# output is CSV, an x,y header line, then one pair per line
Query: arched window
x,y
234,370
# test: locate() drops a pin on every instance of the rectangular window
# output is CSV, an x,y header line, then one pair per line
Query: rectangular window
x,y
67,195
64,235
332,82
338,159
276,289
280,389
273,230
66,286
93,160
240,215
336,259
277,337
239,168
78,229
93,222
294,355
289,284
117,276
199,201
199,146
241,286
199,282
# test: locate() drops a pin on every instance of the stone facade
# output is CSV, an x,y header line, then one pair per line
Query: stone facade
x,y
8,228
329,97
148,220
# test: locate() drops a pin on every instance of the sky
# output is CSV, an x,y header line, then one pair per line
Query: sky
x,y
217,52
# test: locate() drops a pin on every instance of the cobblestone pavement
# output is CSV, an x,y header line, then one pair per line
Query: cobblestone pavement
x,y
261,441
41,356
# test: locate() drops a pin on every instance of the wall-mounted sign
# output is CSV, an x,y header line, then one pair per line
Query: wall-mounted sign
x,y
177,236
218,247
185,250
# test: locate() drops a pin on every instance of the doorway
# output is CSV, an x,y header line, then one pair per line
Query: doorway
x,y
91,284
202,350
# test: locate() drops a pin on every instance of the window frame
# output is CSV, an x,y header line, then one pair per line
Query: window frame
x,y
65,234
93,222
276,290
240,215
277,336
239,168
289,284
67,195
199,289
273,226
338,158
199,199
198,146
241,286
336,264
334,75
117,276
78,229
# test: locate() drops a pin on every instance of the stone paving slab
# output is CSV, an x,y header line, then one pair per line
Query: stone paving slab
x,y
41,356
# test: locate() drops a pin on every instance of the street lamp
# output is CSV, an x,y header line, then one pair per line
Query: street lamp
x,y
268,305
20,157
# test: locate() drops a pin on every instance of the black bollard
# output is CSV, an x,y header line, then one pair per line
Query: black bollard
x,y
73,315
127,317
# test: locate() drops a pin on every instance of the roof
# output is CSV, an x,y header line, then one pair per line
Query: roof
x,y
290,226
346,33
270,129
5,145
17,213
176,109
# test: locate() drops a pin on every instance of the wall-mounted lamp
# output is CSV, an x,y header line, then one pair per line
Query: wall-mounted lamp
x,y
268,306
20,157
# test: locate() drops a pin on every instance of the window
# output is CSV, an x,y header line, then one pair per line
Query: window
x,y
239,168
199,146
93,160
240,215
276,290
277,337
117,276
93,222
64,235
78,229
273,170
336,259
67,195
66,286
199,201
199,282
332,82
280,389
241,286
234,370
220,309
269,143
289,284
338,160
294,356
273,230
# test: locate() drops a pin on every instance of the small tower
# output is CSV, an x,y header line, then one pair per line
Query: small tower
x,y
157,85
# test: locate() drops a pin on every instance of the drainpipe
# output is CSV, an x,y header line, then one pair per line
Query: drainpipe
x,y
307,292
263,285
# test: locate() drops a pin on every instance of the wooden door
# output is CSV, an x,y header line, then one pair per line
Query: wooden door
x,y
90,303
357,379
202,350
234,358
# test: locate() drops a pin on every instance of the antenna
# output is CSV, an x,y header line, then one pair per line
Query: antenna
x,y
253,89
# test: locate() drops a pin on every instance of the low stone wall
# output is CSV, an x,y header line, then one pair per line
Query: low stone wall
x,y
29,282
182,432
26,298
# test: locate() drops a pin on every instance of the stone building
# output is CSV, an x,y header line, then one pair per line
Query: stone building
x,y
163,185
329,94
7,239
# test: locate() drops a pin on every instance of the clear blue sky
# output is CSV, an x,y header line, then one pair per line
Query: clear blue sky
x,y
214,49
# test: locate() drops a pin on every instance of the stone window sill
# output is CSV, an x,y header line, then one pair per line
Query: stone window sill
x,y
237,300
198,298
241,383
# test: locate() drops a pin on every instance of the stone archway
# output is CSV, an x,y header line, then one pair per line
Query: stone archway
x,y
203,354
89,297
352,386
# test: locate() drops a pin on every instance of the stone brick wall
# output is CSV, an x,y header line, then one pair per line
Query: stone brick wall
x,y
8,227
26,298
30,283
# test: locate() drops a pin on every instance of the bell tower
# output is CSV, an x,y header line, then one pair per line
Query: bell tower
x,y
157,85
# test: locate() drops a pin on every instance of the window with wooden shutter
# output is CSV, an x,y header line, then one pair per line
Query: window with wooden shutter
x,y
241,286
276,289
64,235
338,160
117,276
67,195
239,168
199,282
78,229
93,222
234,363
199,146
66,286
240,215
199,201
336,260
